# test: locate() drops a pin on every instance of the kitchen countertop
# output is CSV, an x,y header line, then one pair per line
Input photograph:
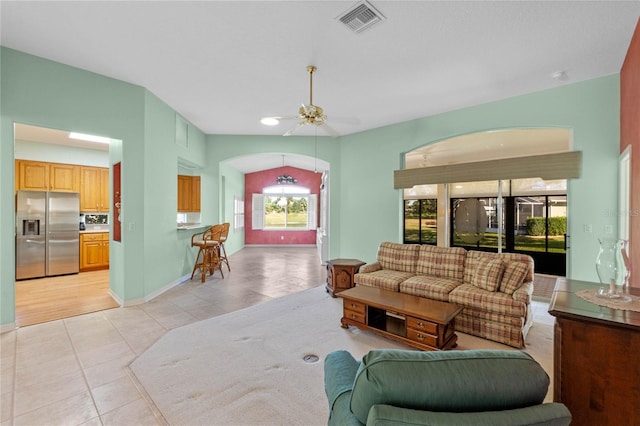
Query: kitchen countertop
x,y
94,229
183,226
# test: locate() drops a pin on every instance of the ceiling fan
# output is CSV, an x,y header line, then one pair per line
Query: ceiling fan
x,y
309,114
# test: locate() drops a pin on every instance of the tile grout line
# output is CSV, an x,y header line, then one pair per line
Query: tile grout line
x,y
15,375
84,376
143,394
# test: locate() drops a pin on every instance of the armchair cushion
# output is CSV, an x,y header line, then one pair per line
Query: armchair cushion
x,y
456,381
551,414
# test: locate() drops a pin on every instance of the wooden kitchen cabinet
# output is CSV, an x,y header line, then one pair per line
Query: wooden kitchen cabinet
x,y
94,189
188,193
94,251
43,176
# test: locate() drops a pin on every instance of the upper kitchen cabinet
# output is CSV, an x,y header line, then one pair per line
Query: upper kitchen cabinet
x,y
42,176
188,193
94,189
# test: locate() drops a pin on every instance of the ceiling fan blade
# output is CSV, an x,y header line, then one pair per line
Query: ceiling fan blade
x,y
294,128
330,130
283,117
346,120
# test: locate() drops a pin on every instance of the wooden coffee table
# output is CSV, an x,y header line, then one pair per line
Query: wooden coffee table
x,y
415,321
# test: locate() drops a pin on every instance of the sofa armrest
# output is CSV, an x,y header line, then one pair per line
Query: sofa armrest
x,y
370,267
524,293
340,370
551,414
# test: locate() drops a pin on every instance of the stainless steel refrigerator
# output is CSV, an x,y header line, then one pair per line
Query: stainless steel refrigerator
x,y
47,234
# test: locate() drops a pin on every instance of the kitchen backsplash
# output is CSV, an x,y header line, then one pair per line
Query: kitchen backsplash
x,y
96,219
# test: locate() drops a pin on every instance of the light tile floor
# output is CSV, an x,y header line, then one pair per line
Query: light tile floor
x,y
73,371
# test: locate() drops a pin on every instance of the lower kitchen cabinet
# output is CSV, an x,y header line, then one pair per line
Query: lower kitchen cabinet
x,y
94,251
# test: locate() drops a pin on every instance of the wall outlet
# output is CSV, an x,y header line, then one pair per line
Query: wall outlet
x,y
608,229
587,228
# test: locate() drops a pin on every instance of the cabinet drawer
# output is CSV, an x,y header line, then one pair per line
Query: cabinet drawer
x,y
422,325
354,316
92,237
354,306
422,337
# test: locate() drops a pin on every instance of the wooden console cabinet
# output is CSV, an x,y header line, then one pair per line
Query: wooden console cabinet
x,y
596,372
340,274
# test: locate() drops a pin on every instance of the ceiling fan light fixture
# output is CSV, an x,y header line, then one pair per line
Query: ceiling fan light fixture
x,y
270,121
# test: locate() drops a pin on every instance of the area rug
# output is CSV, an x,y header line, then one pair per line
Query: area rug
x,y
256,366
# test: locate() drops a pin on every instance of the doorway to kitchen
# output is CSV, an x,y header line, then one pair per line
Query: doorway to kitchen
x,y
51,298
54,162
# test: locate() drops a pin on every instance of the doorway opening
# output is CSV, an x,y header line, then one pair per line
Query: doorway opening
x,y
56,164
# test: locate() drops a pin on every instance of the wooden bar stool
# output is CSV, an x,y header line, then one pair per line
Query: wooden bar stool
x,y
208,243
223,239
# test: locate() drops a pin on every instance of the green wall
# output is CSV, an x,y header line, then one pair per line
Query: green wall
x,y
364,207
43,93
590,108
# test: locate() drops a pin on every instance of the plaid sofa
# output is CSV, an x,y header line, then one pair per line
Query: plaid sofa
x,y
495,289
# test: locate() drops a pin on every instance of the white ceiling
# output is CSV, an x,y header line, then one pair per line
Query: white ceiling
x,y
225,64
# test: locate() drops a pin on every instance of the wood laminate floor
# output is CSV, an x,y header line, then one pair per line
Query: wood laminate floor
x,y
52,298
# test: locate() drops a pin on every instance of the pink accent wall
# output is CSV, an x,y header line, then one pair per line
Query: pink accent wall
x,y
253,184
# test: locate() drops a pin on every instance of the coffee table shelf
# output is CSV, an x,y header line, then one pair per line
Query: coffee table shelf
x,y
415,321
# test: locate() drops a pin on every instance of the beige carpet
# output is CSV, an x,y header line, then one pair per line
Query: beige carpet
x,y
247,367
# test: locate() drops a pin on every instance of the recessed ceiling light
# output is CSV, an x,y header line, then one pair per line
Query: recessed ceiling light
x,y
89,138
270,121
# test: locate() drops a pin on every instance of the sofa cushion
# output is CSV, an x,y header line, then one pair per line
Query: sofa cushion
x,y
460,381
469,295
387,279
445,262
474,258
513,277
398,257
488,275
430,287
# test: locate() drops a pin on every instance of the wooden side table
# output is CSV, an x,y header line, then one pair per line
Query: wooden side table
x,y
340,274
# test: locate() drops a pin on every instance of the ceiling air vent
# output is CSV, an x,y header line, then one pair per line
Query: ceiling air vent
x,y
360,17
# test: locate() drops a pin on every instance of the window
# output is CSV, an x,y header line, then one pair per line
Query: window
x,y
238,213
420,226
420,214
284,207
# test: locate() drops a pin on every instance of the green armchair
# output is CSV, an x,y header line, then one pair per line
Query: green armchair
x,y
478,387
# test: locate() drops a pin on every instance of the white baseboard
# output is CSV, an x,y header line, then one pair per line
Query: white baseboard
x,y
167,287
117,298
149,297
280,245
5,328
